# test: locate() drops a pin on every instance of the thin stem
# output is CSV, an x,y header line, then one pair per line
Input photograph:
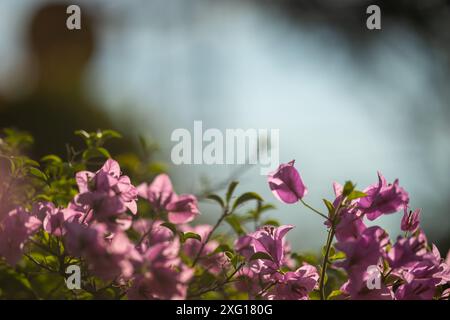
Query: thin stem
x,y
37,244
264,290
325,262
387,274
222,217
313,209
219,285
40,264
145,235
86,215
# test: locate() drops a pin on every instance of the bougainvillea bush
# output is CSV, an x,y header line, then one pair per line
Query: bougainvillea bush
x,y
131,235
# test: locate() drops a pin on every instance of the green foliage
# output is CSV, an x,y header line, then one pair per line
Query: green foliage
x,y
189,235
40,274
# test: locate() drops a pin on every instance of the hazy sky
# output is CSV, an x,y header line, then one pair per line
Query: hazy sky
x,y
342,114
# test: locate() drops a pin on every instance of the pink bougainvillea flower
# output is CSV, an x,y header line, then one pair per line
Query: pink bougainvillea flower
x,y
410,220
108,258
104,206
294,285
55,219
446,294
421,279
350,221
286,183
269,240
383,198
81,238
361,253
41,209
444,266
214,263
151,232
423,276
364,251
128,193
159,193
119,258
421,270
106,191
249,280
407,251
421,289
349,226
192,246
161,284
447,259
164,275
182,209
15,229
358,290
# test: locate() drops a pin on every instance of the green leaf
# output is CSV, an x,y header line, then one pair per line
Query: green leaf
x,y
12,166
111,134
104,152
331,253
30,162
229,254
334,294
82,134
348,188
236,260
266,207
234,222
216,198
355,194
96,153
170,226
223,248
189,235
51,158
307,257
337,256
38,173
260,256
248,196
314,295
230,190
42,197
329,206
14,285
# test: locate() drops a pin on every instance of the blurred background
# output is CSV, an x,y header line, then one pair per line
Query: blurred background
x,y
348,101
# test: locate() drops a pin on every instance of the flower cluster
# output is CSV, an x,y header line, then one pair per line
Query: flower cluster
x,y
409,268
140,243
268,277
